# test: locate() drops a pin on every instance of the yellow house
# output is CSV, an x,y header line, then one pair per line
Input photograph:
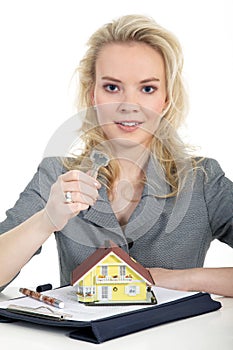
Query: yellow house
x,y
110,276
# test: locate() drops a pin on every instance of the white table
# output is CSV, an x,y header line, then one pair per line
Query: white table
x,y
212,331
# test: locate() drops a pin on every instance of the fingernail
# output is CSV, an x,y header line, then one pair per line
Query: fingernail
x,y
97,184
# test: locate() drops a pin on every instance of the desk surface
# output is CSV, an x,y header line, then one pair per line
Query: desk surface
x,y
210,331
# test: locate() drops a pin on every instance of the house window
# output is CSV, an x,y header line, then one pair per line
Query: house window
x,y
122,271
104,270
132,290
80,290
104,291
88,291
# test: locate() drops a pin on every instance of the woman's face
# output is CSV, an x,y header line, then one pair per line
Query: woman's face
x,y
130,91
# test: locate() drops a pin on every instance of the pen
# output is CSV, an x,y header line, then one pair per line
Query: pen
x,y
46,299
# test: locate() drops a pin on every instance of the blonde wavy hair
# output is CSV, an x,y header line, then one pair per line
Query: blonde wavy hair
x,y
166,146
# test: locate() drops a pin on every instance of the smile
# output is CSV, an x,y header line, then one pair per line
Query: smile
x,y
129,123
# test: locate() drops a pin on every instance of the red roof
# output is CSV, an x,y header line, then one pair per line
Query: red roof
x,y
102,252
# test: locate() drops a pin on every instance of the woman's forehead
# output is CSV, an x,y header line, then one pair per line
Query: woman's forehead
x,y
122,58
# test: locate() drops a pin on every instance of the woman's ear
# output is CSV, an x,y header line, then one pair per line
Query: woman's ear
x,y
165,108
92,93
166,104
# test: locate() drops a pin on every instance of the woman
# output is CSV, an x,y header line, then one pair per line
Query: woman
x,y
153,194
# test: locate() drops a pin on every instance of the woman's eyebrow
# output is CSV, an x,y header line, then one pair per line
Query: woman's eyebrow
x,y
112,79
141,82
149,80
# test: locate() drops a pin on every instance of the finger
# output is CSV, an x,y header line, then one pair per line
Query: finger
x,y
82,198
76,175
79,190
75,208
78,186
71,175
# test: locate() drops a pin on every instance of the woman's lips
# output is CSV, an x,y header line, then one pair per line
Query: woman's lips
x,y
128,125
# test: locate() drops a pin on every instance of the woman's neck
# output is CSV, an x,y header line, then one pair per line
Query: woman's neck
x,y
127,189
131,171
132,163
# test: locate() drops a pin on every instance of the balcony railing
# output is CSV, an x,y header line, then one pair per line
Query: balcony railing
x,y
115,279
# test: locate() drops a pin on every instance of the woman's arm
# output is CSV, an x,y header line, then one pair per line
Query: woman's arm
x,y
212,280
19,244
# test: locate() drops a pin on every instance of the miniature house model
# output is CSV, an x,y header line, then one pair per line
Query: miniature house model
x,y
110,276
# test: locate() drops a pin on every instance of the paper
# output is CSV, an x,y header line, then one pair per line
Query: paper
x,y
81,312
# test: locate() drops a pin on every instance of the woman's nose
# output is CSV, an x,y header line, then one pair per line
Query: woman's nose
x,y
126,107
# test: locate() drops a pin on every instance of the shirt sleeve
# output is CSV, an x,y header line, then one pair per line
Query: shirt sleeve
x,y
34,196
219,200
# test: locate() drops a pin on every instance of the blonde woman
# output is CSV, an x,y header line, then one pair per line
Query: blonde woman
x,y
168,204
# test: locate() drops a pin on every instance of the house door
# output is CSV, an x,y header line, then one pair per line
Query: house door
x,y
104,293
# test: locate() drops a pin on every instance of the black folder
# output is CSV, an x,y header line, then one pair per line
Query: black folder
x,y
103,329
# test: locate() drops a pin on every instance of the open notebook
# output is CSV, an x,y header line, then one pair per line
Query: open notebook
x,y
100,323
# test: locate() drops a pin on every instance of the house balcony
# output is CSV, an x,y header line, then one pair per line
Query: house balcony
x,y
113,279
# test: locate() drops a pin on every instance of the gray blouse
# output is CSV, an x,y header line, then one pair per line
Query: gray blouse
x,y
173,233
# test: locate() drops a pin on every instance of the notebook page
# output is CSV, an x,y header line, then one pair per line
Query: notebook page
x,y
81,312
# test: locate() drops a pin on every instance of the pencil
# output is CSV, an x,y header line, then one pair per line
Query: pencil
x,y
41,297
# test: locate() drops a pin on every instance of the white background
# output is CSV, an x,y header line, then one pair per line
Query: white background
x,y
42,42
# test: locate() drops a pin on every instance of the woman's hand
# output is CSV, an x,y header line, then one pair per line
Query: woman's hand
x,y
84,193
171,279
211,280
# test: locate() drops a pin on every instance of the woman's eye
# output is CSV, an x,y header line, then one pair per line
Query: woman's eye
x,y
111,87
149,89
